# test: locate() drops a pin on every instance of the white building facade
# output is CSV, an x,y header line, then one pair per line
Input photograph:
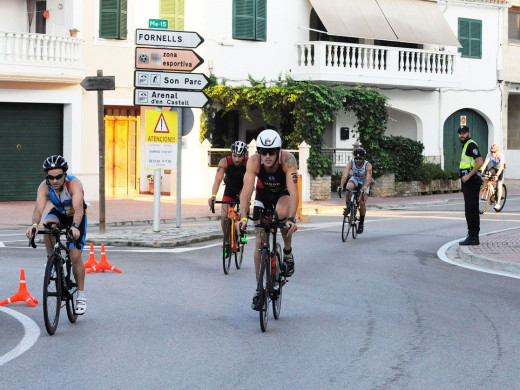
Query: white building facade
x,y
429,81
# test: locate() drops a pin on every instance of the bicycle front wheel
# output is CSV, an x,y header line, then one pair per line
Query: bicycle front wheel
x,y
504,198
345,228
52,293
240,255
278,283
72,295
265,274
353,222
484,198
226,246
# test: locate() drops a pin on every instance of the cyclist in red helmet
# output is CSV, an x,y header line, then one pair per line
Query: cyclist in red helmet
x,y
498,161
361,178
231,169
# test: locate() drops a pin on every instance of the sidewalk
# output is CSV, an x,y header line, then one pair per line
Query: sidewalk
x,y
129,222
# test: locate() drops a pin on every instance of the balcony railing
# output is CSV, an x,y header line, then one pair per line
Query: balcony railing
x,y
367,64
39,57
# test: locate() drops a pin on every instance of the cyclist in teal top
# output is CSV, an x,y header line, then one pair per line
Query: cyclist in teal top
x,y
66,194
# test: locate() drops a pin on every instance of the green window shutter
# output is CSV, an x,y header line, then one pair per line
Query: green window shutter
x,y
244,19
470,37
123,28
108,19
261,15
173,11
113,19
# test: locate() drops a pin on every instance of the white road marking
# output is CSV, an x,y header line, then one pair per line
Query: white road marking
x,y
441,254
32,332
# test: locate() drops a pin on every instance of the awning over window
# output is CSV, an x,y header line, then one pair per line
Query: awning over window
x,y
413,21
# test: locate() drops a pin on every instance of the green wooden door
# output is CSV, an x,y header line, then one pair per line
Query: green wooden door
x,y
451,144
28,134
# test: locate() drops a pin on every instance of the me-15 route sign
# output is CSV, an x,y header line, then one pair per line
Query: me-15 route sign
x,y
166,59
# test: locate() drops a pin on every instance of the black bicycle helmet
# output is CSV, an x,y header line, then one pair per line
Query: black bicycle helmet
x,y
55,162
239,147
360,152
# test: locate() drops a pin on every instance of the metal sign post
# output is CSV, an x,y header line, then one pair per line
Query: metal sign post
x,y
179,166
100,84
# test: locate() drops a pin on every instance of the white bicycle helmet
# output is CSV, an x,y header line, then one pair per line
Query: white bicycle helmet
x,y
239,147
55,162
269,139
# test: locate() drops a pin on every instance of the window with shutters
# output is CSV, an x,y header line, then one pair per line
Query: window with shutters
x,y
470,37
249,19
113,19
173,11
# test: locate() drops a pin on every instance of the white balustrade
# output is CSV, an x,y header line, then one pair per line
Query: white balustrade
x,y
18,48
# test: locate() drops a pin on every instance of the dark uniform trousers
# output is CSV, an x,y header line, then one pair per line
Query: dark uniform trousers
x,y
470,189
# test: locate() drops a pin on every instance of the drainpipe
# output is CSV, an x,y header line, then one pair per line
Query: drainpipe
x,y
441,130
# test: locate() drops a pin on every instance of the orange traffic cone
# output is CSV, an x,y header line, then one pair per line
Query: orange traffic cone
x,y
103,264
91,262
22,295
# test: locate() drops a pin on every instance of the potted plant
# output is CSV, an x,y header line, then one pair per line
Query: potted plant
x,y
73,32
151,178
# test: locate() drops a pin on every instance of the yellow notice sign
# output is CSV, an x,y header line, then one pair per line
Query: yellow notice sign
x,y
463,120
161,126
161,139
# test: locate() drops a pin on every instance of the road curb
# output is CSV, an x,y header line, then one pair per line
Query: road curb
x,y
468,256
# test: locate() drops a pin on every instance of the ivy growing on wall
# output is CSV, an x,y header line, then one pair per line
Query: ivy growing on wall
x,y
300,111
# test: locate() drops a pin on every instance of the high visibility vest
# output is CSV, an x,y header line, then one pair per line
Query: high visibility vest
x,y
467,162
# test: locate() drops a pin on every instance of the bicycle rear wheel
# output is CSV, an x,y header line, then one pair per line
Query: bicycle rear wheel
x,y
226,246
504,198
52,293
484,198
265,273
277,300
72,295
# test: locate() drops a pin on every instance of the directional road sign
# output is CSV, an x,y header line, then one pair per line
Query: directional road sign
x,y
162,98
167,80
166,59
99,83
169,38
158,23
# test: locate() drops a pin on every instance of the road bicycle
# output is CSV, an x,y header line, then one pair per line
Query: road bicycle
x,y
350,217
270,279
59,285
232,245
488,194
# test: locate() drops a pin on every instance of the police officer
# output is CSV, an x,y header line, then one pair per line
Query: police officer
x,y
469,169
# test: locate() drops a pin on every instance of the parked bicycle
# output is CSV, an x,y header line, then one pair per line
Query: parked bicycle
x,y
270,280
350,217
59,285
488,194
232,245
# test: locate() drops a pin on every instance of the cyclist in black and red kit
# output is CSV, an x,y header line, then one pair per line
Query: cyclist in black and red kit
x,y
232,169
276,187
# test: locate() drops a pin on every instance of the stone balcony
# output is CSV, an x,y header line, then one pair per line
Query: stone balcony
x,y
375,65
42,58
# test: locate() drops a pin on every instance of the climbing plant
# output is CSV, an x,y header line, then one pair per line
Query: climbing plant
x,y
300,111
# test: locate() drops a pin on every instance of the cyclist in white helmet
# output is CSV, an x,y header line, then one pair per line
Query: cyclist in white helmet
x,y
498,161
276,187
231,169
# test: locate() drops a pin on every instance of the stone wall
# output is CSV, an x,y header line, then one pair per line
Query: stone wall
x,y
384,186
320,187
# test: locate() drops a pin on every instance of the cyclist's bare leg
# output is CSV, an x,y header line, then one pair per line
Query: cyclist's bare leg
x,y
363,204
223,215
499,192
282,209
47,239
78,268
350,186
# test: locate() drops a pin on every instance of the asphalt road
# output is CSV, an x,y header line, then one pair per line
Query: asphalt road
x,y
379,312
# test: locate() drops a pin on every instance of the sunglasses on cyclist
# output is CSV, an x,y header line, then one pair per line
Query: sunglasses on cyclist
x,y
270,152
57,177
358,158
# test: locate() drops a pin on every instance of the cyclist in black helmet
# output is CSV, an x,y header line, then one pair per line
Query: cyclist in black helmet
x,y
66,194
361,179
232,169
